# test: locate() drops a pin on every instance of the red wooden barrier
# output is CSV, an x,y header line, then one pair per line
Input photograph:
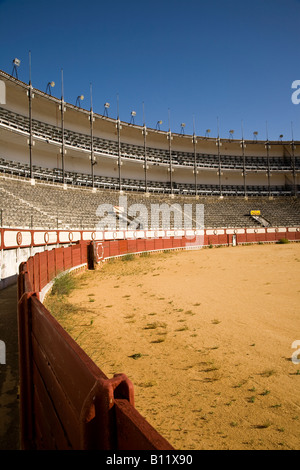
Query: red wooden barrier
x,y
167,243
158,243
114,248
106,252
140,245
67,252
123,247
149,245
51,264
44,278
59,260
260,237
66,401
134,433
132,246
222,239
76,255
250,238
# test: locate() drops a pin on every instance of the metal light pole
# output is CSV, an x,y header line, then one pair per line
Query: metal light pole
x,y
30,97
93,162
195,159
268,146
62,110
144,131
169,136
119,127
218,143
294,164
243,145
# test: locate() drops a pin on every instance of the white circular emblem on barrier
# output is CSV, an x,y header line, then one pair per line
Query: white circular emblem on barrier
x,y
71,236
46,237
99,251
93,235
19,238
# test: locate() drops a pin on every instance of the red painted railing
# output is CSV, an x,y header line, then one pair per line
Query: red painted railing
x,y
22,238
66,401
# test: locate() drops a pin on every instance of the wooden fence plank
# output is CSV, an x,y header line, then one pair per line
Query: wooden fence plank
x,y
134,432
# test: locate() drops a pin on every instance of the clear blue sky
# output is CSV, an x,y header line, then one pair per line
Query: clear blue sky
x,y
191,59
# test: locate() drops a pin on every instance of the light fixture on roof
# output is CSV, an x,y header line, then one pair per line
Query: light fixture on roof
x,y
79,98
280,137
255,133
49,86
133,114
16,63
207,132
106,107
231,132
182,125
158,124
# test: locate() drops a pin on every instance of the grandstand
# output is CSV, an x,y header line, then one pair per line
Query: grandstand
x,y
59,146
49,206
60,163
44,138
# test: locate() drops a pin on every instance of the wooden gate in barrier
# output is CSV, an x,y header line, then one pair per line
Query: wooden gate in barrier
x,y
66,401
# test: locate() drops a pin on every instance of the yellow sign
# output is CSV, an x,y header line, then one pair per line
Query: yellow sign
x,y
254,212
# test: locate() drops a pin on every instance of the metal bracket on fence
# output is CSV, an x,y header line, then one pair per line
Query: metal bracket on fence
x,y
97,423
2,352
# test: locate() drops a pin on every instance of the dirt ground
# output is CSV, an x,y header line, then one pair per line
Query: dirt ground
x,y
206,338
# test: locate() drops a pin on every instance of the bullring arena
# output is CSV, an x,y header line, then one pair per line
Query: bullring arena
x,y
181,330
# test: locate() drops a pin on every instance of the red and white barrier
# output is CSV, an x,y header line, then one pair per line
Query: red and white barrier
x,y
23,238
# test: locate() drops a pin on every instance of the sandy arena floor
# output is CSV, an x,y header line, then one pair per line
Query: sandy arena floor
x,y
206,338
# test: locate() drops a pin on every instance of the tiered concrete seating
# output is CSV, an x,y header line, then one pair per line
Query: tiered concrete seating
x,y
154,156
50,206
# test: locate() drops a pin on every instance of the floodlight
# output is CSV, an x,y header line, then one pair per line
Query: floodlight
x,y
133,113
182,125
49,86
79,98
106,107
158,124
16,63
